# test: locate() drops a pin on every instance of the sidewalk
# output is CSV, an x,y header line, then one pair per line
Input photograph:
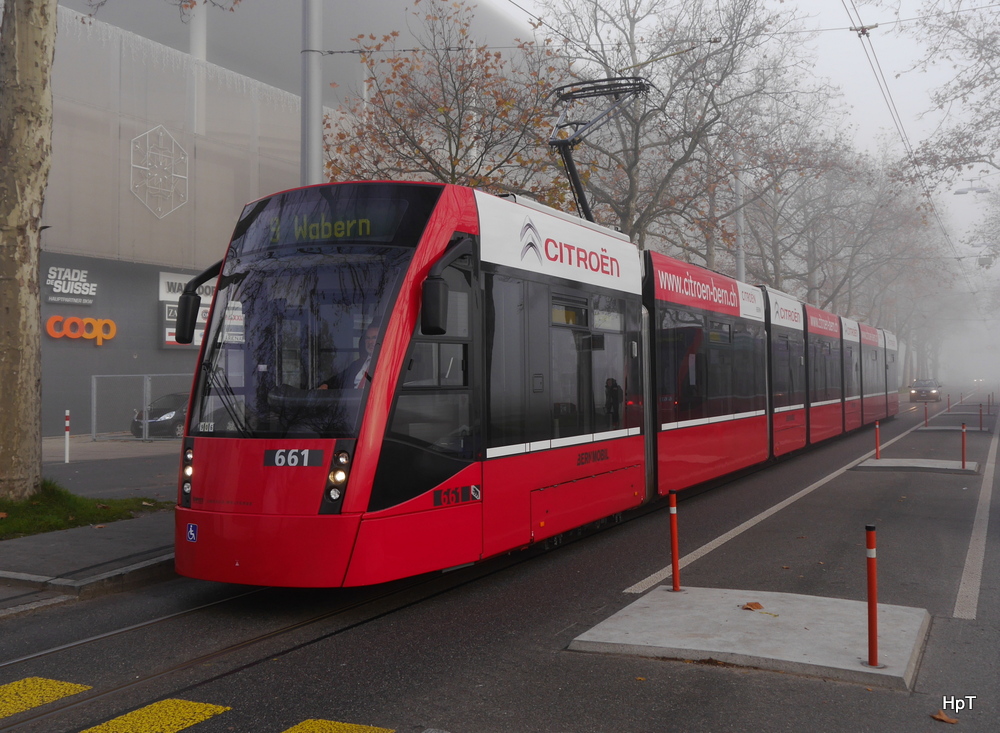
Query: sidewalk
x,y
57,567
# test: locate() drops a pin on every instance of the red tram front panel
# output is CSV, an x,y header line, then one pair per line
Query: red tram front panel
x,y
710,373
253,515
825,375
439,529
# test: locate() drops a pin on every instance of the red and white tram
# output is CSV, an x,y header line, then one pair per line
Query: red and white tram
x,y
399,378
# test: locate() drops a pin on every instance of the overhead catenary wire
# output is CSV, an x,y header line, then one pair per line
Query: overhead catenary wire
x,y
863,32
569,42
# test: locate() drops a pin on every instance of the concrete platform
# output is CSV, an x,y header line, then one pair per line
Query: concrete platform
x,y
821,637
917,464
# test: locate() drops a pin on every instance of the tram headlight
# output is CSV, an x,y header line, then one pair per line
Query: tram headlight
x,y
186,487
337,477
188,471
188,455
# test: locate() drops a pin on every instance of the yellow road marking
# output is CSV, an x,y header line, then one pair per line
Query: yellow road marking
x,y
330,726
31,692
166,716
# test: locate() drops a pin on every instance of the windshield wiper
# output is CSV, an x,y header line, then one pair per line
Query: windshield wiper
x,y
219,385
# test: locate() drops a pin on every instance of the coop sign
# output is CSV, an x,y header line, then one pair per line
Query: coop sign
x,y
97,330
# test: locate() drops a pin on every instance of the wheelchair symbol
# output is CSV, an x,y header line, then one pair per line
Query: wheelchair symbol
x,y
192,533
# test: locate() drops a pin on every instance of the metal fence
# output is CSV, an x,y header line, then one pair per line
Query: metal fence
x,y
118,400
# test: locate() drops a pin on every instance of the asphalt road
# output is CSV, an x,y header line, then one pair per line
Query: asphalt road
x,y
484,649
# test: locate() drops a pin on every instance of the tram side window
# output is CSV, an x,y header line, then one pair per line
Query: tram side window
x,y
571,342
892,377
609,380
874,371
720,369
825,364
749,363
587,363
505,359
788,367
852,381
681,383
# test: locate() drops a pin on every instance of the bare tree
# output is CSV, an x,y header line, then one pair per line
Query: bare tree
x,y
643,170
963,38
450,110
27,48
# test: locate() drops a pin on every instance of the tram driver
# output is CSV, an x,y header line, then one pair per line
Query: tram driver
x,y
359,370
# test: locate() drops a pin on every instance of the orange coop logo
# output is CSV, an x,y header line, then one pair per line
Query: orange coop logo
x,y
93,329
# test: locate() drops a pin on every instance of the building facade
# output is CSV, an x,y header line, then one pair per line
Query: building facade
x,y
154,155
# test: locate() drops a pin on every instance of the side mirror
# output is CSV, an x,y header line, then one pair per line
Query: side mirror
x,y
434,306
434,298
187,317
189,302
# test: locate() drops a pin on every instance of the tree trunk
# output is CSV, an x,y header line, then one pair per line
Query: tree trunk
x,y
27,42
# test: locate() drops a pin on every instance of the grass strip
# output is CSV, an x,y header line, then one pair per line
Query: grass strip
x,y
54,508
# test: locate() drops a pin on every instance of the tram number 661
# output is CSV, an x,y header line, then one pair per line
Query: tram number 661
x,y
293,457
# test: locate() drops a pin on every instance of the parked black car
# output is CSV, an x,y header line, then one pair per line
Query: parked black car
x,y
166,416
925,390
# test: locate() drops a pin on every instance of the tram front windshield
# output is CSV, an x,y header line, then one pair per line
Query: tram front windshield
x,y
309,273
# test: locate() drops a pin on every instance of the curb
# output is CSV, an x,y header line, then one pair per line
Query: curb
x,y
113,581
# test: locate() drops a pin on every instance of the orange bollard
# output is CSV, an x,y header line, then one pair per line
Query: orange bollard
x,y
878,443
963,446
675,562
926,422
872,597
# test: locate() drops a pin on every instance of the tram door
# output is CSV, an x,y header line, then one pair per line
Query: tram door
x,y
434,436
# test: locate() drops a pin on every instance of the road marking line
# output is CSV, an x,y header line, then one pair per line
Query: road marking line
x,y
32,692
967,601
658,577
330,726
166,716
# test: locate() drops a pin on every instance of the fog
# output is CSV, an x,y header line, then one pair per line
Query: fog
x,y
262,39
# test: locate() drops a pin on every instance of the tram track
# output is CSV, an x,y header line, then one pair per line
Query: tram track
x,y
346,617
